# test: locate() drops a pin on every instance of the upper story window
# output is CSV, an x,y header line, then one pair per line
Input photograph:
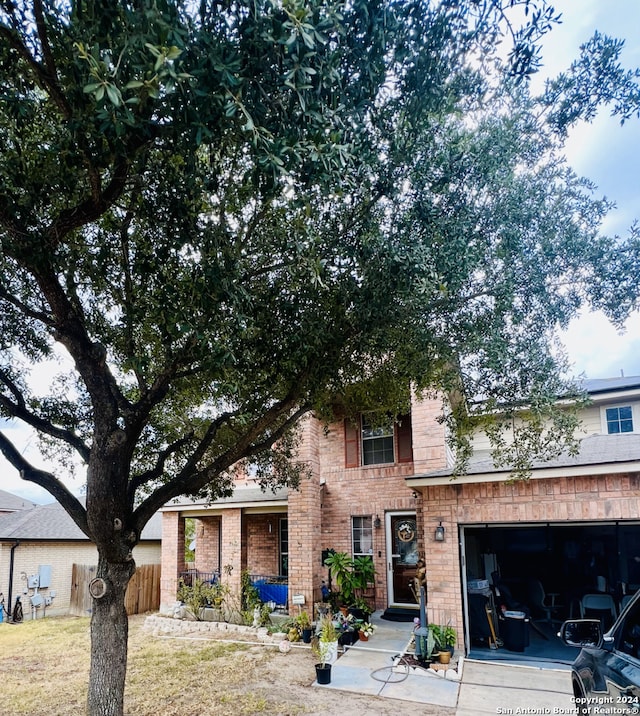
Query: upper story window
x,y
371,443
619,419
377,443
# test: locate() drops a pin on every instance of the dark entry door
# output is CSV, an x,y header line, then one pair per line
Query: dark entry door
x,y
402,548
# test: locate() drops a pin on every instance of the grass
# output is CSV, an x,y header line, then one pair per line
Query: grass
x,y
45,666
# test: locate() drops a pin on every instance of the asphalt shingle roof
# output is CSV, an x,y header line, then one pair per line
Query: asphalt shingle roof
x,y
604,385
10,502
240,495
594,450
52,522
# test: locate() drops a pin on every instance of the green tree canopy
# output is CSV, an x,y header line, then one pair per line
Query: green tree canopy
x,y
228,214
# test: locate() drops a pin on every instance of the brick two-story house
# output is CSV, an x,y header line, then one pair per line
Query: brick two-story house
x,y
574,526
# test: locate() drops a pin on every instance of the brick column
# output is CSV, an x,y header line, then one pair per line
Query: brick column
x,y
305,524
172,557
231,549
428,435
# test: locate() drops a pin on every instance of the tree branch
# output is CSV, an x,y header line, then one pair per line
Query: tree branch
x,y
156,471
18,409
47,481
47,55
24,309
43,77
190,480
92,209
277,434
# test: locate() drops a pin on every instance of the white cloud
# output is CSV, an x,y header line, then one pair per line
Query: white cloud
x,y
609,155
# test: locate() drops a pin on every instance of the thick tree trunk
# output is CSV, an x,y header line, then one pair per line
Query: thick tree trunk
x,y
109,634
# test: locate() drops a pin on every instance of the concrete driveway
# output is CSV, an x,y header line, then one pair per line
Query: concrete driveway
x,y
490,688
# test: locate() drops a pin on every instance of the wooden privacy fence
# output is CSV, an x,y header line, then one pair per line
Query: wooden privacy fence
x,y
143,592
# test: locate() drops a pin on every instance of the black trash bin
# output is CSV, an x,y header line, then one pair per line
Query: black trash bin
x,y
515,631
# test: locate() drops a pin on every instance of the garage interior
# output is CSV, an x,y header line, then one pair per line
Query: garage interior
x,y
548,573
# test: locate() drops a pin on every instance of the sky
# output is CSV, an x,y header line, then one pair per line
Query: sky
x,y
609,155
603,151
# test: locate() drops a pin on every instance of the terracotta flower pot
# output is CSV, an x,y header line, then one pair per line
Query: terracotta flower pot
x,y
363,636
444,657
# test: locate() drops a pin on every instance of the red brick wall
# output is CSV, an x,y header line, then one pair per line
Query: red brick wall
x,y
231,549
593,498
263,547
172,556
207,531
375,490
305,519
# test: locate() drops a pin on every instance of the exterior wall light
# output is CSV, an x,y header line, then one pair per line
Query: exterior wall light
x,y
377,523
439,533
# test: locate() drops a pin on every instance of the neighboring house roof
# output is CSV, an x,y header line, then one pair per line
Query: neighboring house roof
x,y
242,497
606,385
597,454
52,522
11,503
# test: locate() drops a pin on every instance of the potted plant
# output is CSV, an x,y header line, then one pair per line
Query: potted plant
x,y
365,630
360,609
445,640
347,630
341,569
352,577
326,649
304,626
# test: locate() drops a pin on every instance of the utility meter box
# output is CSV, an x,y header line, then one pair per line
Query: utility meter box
x,y
44,573
33,581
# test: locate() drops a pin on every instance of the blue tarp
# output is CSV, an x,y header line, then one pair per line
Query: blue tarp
x,y
267,592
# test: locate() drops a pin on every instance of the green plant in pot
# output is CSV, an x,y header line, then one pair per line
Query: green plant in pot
x,y
360,609
341,569
304,626
325,649
364,572
445,640
352,576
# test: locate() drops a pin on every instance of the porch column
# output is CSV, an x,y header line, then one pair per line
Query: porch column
x,y
305,525
231,549
172,557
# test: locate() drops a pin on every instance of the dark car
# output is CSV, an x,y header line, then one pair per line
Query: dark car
x,y
606,674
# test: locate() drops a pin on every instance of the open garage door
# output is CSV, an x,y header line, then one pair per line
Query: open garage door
x,y
546,571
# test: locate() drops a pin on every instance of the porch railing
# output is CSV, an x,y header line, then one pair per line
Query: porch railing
x,y
190,575
271,588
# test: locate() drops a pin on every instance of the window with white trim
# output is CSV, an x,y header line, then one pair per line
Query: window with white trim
x,y
377,442
362,536
368,442
619,419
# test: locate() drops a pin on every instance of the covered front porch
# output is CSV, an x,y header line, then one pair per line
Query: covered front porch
x,y
246,534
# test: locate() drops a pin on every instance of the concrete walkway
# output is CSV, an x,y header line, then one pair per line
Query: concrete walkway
x,y
491,688
481,687
368,668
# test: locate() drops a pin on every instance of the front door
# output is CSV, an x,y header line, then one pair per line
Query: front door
x,y
402,551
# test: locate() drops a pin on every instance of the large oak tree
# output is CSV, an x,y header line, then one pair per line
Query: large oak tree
x,y
227,214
